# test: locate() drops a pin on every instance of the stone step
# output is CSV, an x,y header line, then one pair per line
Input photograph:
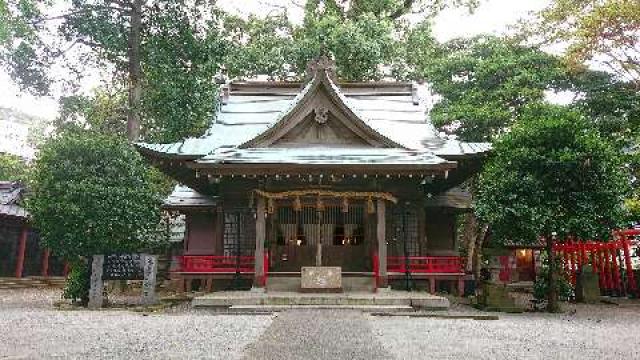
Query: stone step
x,y
349,283
14,286
279,308
31,282
248,298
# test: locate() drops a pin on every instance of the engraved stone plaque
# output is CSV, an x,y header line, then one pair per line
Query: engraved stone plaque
x,y
321,278
96,283
149,284
123,267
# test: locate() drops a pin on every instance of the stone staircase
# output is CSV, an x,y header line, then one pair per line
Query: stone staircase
x,y
8,283
387,301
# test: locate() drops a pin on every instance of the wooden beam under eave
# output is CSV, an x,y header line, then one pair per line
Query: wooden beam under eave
x,y
466,169
324,169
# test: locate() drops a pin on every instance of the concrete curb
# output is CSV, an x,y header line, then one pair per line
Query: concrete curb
x,y
438,316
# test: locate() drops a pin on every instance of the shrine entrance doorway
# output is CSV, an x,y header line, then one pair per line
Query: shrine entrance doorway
x,y
332,234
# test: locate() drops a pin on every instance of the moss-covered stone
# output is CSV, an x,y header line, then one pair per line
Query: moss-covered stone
x,y
587,286
495,297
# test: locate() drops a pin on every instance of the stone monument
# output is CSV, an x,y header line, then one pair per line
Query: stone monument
x,y
587,286
96,289
123,267
149,282
321,279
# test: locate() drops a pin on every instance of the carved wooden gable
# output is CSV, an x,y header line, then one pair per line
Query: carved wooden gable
x,y
321,123
321,118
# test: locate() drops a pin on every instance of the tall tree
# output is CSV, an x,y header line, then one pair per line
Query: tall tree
x,y
613,106
366,38
605,31
552,175
135,71
485,82
120,36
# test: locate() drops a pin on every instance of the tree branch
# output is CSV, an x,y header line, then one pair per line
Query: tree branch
x,y
406,6
58,17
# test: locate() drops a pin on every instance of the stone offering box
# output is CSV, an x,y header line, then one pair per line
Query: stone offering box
x,y
123,267
321,279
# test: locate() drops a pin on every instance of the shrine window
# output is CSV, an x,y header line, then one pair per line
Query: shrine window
x,y
239,232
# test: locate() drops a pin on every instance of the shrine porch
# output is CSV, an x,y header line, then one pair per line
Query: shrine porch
x,y
223,273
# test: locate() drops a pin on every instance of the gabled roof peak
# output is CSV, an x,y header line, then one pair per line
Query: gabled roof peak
x,y
304,102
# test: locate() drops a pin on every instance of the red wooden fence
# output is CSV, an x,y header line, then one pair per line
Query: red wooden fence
x,y
426,264
436,265
219,264
610,260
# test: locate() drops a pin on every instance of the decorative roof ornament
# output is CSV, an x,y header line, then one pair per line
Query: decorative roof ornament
x,y
322,63
322,115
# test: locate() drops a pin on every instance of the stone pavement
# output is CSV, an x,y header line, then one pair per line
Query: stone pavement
x,y
318,334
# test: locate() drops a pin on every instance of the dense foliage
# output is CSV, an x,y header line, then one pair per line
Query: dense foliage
x,y
552,173
562,285
486,82
93,194
13,168
77,286
180,52
606,31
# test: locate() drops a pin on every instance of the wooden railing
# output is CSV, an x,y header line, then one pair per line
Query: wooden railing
x,y
422,264
210,264
426,264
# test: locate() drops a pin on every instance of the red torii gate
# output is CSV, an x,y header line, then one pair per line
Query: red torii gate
x,y
603,256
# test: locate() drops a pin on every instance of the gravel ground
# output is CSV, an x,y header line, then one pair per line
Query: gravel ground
x,y
33,330
318,334
584,332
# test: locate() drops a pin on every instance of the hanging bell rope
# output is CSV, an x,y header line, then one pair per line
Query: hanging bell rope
x,y
328,193
319,204
371,209
297,204
271,206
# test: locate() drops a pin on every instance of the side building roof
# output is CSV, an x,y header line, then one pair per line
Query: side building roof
x,y
10,195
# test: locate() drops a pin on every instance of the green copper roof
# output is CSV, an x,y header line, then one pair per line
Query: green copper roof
x,y
394,115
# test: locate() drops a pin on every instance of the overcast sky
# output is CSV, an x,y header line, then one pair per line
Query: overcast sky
x,y
493,16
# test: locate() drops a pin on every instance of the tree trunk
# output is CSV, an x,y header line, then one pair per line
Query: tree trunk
x,y
477,261
552,294
469,237
135,72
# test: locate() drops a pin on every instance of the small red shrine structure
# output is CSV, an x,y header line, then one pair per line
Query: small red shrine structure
x,y
610,260
20,252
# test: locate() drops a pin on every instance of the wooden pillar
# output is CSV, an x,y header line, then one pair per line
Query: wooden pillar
x,y
22,246
259,280
45,262
631,281
383,280
66,269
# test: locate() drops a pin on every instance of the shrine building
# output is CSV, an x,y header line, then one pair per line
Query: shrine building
x,y
319,173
